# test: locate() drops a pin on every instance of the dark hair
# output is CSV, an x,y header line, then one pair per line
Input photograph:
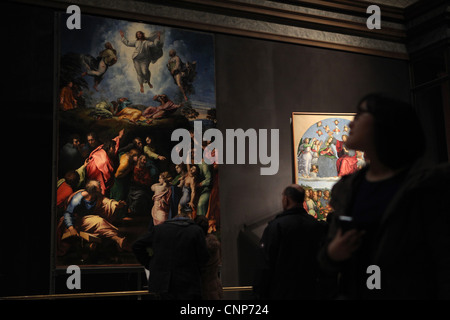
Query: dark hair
x,y
75,136
295,194
143,34
92,134
394,118
72,178
182,166
93,186
202,222
108,145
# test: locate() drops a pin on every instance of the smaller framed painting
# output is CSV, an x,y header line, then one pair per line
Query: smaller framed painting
x,y
321,156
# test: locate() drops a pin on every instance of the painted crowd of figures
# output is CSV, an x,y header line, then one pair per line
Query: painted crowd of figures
x,y
130,184
317,203
329,158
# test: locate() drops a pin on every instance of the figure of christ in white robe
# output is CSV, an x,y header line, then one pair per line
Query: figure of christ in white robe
x,y
147,50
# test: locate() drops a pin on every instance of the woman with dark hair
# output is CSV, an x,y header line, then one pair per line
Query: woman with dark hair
x,y
393,225
391,118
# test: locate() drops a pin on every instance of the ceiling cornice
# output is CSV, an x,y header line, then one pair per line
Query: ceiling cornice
x,y
339,25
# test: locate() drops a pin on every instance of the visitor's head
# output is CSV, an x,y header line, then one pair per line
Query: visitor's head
x,y
388,129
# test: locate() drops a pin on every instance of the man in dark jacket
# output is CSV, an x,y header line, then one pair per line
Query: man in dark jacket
x,y
178,252
289,248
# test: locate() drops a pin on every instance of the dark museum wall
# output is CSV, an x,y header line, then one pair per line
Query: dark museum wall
x,y
259,83
27,138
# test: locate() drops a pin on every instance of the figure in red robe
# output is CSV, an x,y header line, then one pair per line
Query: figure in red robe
x,y
100,164
345,164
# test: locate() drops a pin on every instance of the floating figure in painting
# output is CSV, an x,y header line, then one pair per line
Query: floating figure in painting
x,y
305,157
147,50
97,67
183,73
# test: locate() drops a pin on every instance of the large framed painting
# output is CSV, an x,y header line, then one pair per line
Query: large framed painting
x,y
321,156
124,87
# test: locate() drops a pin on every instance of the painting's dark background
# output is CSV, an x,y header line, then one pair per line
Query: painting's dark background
x,y
259,83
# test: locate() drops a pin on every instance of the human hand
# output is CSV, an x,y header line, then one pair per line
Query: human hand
x,y
344,244
73,231
121,204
